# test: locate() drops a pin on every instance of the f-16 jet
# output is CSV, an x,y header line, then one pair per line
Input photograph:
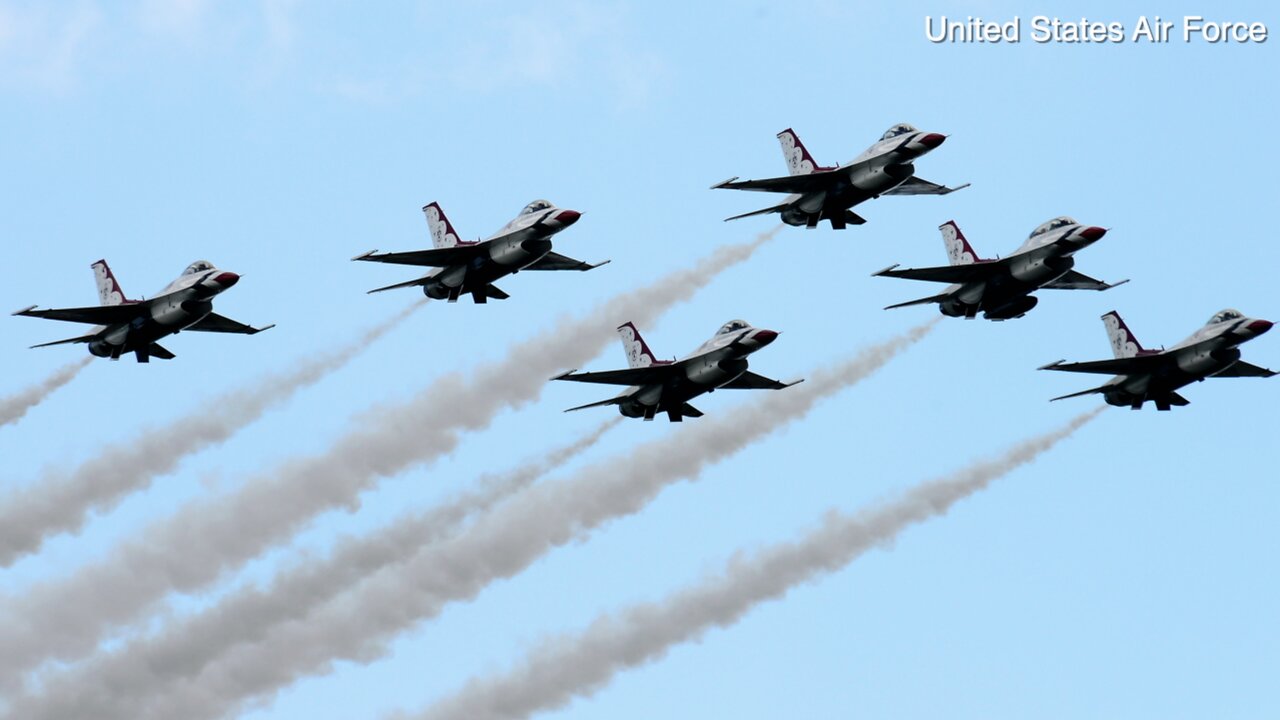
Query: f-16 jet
x,y
471,267
1156,375
668,385
1001,289
135,325
826,193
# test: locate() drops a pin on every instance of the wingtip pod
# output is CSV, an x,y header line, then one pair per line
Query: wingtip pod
x,y
958,187
1116,284
882,273
564,375
26,310
602,263
724,183
790,384
262,329
363,256
1052,366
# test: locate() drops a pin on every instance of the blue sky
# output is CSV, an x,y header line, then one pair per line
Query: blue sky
x,y
1128,573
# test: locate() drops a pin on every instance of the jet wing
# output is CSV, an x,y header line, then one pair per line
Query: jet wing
x,y
630,376
945,273
751,381
1079,281
97,315
788,184
1118,366
214,322
556,261
919,186
436,257
1244,369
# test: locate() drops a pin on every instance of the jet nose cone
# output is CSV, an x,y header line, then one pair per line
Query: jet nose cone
x,y
568,217
1257,327
1093,234
932,140
226,279
764,337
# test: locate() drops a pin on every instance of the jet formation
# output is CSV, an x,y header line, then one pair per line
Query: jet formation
x,y
668,385
1157,375
471,267
134,326
818,193
1001,289
997,288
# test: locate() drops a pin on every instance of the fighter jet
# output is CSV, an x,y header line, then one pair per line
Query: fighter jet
x,y
826,193
1001,289
1155,375
473,266
135,325
668,385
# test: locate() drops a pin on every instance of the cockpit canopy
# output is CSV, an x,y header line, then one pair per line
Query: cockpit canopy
x,y
1225,316
536,206
198,266
896,130
733,326
1054,224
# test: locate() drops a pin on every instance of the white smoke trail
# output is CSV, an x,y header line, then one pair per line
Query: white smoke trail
x,y
360,624
202,541
62,501
183,649
580,665
13,407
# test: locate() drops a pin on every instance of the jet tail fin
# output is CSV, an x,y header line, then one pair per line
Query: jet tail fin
x,y
442,233
799,161
1123,343
959,251
109,292
637,350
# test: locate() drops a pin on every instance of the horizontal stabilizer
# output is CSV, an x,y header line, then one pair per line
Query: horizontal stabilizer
x,y
1082,393
81,339
601,403
764,211
921,301
405,284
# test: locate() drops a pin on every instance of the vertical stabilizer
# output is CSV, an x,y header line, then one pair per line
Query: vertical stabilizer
x,y
638,352
1123,343
442,233
799,161
959,251
109,292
